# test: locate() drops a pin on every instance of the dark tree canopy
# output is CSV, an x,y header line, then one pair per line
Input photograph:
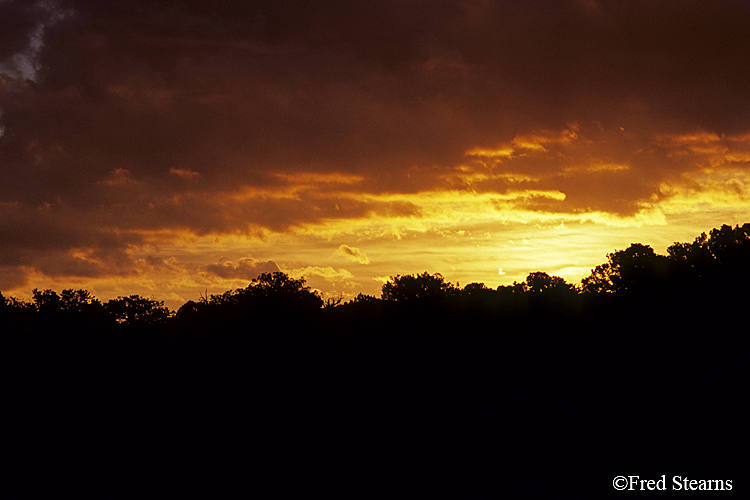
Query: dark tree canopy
x,y
634,269
692,260
722,257
269,290
540,282
46,300
278,284
78,301
474,288
135,309
412,287
364,299
69,301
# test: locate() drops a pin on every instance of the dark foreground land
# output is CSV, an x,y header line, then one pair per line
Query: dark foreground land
x,y
390,401
537,390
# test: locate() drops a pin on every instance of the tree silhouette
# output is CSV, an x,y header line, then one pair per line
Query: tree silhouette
x,y
46,301
637,268
720,258
19,304
475,288
272,302
189,311
78,301
412,287
540,282
269,288
137,310
691,262
728,244
281,285
364,298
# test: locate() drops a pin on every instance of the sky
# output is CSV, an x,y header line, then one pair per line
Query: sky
x,y
175,149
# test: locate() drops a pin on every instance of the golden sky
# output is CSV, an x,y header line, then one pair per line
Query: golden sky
x,y
177,148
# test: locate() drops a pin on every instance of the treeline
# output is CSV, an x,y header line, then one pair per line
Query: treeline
x,y
707,272
430,388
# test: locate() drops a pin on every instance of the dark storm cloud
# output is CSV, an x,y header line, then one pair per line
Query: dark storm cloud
x,y
231,89
59,242
144,115
17,22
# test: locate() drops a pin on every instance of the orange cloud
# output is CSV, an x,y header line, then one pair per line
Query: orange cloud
x,y
184,173
247,268
353,253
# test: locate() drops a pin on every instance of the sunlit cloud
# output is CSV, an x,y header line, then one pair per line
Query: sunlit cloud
x,y
328,273
499,152
596,167
522,145
184,173
118,177
247,268
353,253
315,179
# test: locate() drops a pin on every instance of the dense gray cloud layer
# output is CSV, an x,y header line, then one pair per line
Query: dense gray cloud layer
x,y
120,117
